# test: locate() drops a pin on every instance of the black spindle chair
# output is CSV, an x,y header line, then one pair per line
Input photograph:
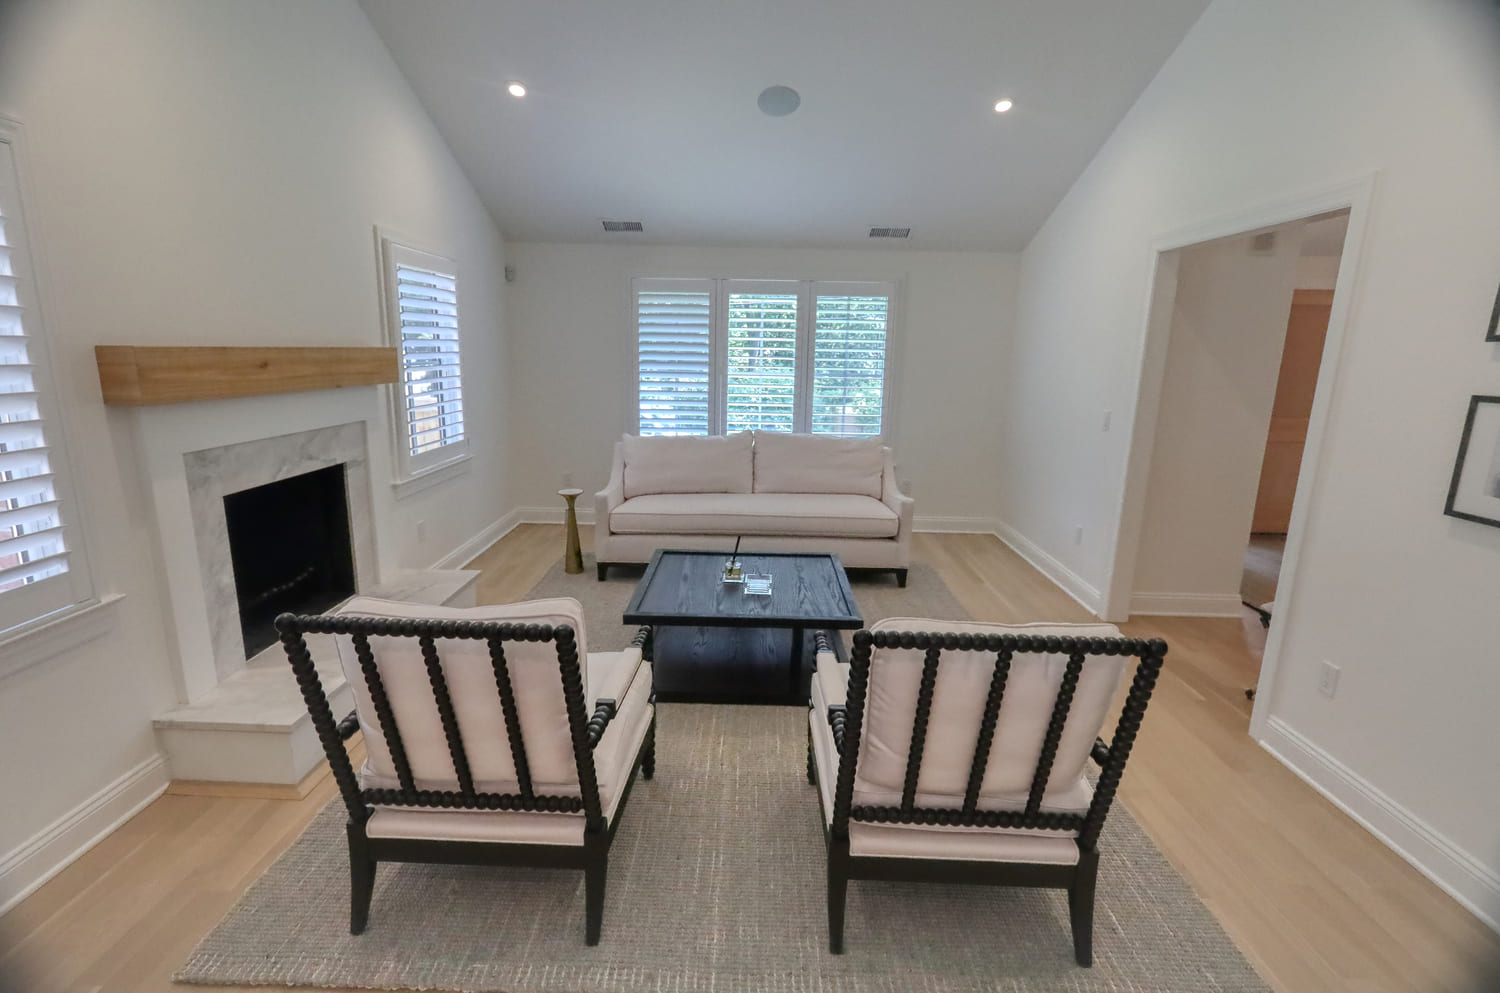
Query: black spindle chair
x,y
958,755
485,741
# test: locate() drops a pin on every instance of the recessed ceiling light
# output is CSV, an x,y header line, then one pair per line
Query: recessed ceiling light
x,y
517,90
1003,106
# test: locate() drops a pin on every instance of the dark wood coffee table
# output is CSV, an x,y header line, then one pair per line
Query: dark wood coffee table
x,y
713,643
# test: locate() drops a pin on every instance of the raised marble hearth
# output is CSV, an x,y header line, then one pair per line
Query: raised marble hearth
x,y
254,728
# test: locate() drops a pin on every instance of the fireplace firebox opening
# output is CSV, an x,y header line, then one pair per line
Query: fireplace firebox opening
x,y
290,546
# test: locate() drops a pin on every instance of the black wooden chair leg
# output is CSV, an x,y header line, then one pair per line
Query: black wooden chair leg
x,y
1081,907
593,884
901,578
361,879
812,772
838,887
648,753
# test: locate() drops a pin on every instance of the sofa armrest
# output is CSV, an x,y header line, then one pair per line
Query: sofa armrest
x,y
607,499
902,505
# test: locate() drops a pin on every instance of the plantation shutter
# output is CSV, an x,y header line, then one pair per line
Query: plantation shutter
x,y
761,367
850,327
36,574
422,321
674,356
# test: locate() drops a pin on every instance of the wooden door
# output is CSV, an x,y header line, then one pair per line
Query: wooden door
x,y
1300,359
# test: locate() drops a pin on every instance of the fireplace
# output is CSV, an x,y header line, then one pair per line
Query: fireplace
x,y
290,546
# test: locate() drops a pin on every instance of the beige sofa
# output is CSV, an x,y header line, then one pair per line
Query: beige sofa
x,y
778,492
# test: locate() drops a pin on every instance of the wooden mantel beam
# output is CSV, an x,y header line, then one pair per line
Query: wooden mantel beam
x,y
141,375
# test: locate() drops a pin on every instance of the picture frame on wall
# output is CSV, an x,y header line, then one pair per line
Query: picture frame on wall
x,y
1474,494
1494,332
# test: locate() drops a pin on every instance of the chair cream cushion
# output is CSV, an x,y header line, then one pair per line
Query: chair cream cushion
x,y
467,669
804,463
957,707
828,515
937,841
687,465
613,760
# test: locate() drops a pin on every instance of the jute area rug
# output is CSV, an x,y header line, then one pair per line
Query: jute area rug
x,y
716,883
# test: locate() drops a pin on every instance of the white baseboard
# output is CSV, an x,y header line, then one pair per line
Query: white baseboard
x,y
1072,584
1186,604
60,843
1459,874
552,515
461,555
955,525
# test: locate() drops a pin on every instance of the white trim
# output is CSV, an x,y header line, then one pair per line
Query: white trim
x,y
1186,604
61,843
1462,876
955,525
551,515
461,555
55,634
1357,195
430,477
1069,581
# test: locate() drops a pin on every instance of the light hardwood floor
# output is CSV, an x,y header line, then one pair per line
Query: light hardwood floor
x,y
1311,898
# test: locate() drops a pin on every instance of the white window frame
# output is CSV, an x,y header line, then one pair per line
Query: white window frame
x,y
719,288
414,472
38,607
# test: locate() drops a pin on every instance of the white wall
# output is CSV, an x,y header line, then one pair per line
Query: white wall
x,y
1228,325
1261,103
572,338
209,172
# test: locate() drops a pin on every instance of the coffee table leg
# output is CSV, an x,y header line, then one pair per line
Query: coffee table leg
x,y
796,675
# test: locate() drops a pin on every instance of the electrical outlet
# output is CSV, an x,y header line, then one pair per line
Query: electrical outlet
x,y
905,485
1078,535
1108,415
421,532
1328,679
567,481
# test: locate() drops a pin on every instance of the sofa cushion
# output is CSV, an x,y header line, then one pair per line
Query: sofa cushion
x,y
687,465
825,515
804,463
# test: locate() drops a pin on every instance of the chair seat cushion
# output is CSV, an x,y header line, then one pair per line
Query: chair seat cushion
x,y
826,515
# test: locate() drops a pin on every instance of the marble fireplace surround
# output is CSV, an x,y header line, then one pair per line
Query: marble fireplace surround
x,y
214,473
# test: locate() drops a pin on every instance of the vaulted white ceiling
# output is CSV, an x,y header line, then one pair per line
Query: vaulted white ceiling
x,y
646,110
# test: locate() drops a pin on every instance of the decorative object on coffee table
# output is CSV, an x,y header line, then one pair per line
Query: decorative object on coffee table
x,y
573,556
990,725
713,643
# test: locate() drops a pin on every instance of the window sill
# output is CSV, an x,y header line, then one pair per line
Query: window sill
x,y
428,478
56,634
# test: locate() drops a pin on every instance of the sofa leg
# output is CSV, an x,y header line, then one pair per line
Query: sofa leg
x,y
1081,907
603,570
901,578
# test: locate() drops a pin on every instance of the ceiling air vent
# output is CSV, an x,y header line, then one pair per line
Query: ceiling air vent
x,y
1263,244
890,232
624,226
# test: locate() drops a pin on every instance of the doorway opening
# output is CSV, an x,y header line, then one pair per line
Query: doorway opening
x,y
1306,333
1220,300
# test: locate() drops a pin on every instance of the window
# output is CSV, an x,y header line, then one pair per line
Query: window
x,y
42,568
421,309
725,355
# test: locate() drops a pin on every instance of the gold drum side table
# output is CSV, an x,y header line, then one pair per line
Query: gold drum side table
x,y
573,556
